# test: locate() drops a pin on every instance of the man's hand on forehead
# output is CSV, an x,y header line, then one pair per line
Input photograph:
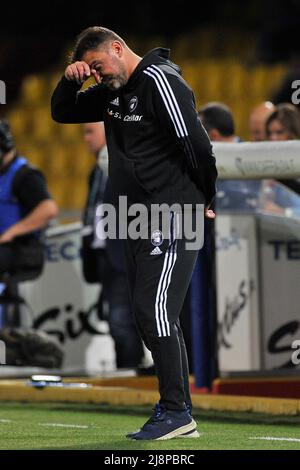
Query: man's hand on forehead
x,y
80,71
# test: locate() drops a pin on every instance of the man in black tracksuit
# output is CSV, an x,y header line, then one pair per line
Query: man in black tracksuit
x,y
159,153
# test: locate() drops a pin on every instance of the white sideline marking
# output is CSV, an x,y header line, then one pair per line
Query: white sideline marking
x,y
60,425
6,421
270,438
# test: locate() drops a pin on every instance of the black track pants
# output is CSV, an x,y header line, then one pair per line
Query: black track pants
x,y
159,274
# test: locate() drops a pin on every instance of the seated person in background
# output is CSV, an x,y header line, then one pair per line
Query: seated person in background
x,y
257,121
283,125
25,203
218,121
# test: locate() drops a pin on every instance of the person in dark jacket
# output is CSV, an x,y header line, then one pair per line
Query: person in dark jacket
x,y
159,153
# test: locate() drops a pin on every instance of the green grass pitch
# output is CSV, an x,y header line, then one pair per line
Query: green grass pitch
x,y
91,427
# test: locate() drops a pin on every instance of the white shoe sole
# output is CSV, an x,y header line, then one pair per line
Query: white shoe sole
x,y
178,432
190,435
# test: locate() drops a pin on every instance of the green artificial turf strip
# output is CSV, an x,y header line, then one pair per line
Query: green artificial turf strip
x,y
28,426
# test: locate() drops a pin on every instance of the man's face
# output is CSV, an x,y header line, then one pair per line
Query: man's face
x,y
94,136
257,130
257,123
109,65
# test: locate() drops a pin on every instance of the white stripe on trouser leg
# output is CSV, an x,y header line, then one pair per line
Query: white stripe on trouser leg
x,y
165,293
164,282
163,313
157,310
167,263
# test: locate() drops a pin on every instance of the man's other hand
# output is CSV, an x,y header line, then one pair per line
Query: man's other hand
x,y
209,213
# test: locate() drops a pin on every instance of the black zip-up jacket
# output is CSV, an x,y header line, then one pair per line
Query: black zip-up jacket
x,y
158,149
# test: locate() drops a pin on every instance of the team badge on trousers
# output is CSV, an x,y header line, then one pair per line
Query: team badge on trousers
x,y
157,238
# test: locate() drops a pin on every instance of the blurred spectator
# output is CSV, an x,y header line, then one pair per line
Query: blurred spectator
x,y
103,260
218,121
25,205
232,194
252,195
283,123
257,121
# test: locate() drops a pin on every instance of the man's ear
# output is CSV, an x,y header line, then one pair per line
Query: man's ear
x,y
117,48
214,135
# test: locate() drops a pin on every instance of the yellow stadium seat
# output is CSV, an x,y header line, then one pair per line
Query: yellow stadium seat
x,y
34,90
18,120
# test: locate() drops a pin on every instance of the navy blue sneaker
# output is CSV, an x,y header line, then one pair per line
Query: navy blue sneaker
x,y
165,424
189,409
194,433
157,410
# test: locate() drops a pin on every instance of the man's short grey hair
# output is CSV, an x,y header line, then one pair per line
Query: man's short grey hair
x,y
91,39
